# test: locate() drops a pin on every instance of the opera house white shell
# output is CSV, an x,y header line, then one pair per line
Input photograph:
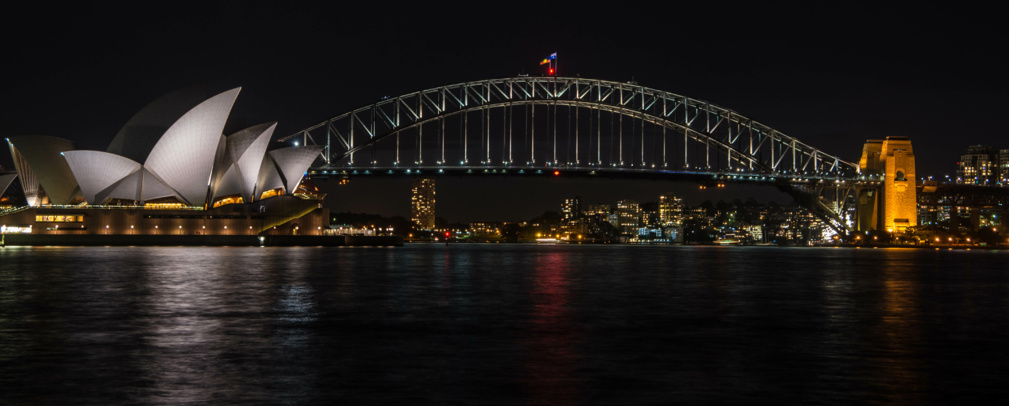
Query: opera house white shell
x,y
171,152
5,182
45,178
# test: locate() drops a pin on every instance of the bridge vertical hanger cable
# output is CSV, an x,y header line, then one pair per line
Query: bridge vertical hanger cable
x,y
465,138
567,148
525,130
642,120
483,136
611,139
552,118
664,100
488,124
350,123
511,120
621,130
420,132
396,112
599,125
506,144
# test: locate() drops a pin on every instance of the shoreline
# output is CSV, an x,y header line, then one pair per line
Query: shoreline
x,y
90,240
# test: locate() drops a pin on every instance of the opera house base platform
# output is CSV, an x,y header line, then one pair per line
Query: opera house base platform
x,y
13,240
276,221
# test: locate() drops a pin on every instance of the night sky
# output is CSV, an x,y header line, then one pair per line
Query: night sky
x,y
830,76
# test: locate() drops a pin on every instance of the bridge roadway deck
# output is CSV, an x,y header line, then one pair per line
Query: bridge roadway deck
x,y
601,172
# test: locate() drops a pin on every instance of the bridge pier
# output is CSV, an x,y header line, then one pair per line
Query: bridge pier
x,y
892,206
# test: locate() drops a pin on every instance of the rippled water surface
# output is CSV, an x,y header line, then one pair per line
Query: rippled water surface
x,y
502,324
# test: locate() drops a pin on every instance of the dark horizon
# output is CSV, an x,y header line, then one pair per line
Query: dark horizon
x,y
830,77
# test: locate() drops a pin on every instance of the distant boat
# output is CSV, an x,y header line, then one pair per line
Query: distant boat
x,y
546,240
728,241
766,244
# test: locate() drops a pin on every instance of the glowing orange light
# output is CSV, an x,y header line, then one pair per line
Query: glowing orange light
x,y
557,173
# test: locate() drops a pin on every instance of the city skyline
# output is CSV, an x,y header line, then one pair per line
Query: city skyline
x,y
834,79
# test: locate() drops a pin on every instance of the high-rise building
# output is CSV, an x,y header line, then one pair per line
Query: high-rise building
x,y
628,216
978,165
670,210
570,210
1003,167
422,203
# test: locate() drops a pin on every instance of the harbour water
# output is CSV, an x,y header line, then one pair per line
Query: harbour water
x,y
502,324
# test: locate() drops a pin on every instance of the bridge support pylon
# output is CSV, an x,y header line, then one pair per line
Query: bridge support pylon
x,y
892,205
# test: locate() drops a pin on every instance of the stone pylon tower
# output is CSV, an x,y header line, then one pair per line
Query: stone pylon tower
x,y
893,206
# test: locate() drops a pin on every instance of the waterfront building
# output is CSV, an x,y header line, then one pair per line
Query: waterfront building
x,y
422,202
1003,167
756,232
978,165
486,228
647,233
628,216
670,210
602,210
570,210
169,170
673,234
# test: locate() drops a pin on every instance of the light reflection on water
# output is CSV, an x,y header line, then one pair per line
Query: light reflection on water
x,y
506,324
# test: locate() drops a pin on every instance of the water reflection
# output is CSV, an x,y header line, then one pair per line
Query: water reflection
x,y
186,331
899,367
551,356
508,324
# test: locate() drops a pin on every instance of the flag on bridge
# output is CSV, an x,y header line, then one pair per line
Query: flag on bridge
x,y
551,61
549,58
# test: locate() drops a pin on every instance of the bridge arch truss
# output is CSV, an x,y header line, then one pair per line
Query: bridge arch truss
x,y
521,122
576,124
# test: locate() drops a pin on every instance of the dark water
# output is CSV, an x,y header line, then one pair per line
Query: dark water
x,y
502,324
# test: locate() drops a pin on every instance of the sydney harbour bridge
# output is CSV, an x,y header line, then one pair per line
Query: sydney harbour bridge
x,y
569,126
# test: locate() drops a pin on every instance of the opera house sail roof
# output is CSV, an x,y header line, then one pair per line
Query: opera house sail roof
x,y
5,182
172,151
44,177
238,168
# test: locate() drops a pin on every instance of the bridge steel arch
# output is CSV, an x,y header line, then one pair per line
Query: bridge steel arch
x,y
664,133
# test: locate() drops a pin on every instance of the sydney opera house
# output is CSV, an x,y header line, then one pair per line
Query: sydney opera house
x,y
170,170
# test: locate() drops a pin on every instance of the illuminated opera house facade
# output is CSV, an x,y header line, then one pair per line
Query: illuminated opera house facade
x,y
170,170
